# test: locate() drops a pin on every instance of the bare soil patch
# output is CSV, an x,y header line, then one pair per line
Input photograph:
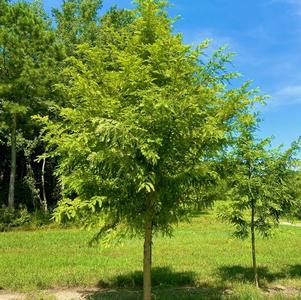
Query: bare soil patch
x,y
57,294
286,291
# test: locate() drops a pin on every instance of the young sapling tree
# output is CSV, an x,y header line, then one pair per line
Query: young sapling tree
x,y
261,186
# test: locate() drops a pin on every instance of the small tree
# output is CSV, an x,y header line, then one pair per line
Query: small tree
x,y
261,186
137,145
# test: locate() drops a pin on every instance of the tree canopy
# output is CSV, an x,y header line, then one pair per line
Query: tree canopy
x,y
147,117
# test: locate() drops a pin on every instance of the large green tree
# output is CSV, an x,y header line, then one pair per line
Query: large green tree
x,y
137,145
262,185
28,53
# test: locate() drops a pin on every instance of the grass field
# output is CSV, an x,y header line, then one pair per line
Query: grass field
x,y
202,261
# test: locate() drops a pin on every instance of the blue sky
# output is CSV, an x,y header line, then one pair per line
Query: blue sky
x,y
265,35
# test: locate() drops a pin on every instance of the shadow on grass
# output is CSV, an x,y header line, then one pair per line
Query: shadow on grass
x,y
294,271
204,212
245,274
160,277
166,283
174,293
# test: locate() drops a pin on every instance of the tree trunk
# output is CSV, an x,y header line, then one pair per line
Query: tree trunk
x,y
32,183
256,280
43,187
147,260
11,193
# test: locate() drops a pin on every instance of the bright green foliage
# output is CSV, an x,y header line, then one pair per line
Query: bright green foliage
x,y
114,27
262,178
145,123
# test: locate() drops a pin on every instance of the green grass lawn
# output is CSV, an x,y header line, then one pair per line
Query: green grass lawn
x,y
201,261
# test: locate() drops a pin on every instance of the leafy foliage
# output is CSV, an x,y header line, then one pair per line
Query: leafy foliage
x,y
24,37
29,55
13,218
144,125
77,22
262,178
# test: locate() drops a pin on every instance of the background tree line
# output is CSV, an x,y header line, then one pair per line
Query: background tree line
x,y
33,46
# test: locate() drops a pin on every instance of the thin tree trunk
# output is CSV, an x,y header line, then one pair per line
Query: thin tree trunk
x,y
11,193
147,261
256,280
253,203
32,184
43,186
147,258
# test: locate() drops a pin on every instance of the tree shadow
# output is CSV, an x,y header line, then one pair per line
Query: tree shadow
x,y
161,293
166,284
245,274
200,213
161,276
294,271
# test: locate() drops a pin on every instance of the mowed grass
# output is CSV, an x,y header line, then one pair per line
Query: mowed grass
x,y
201,261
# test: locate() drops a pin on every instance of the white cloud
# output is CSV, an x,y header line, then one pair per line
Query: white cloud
x,y
286,96
217,39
